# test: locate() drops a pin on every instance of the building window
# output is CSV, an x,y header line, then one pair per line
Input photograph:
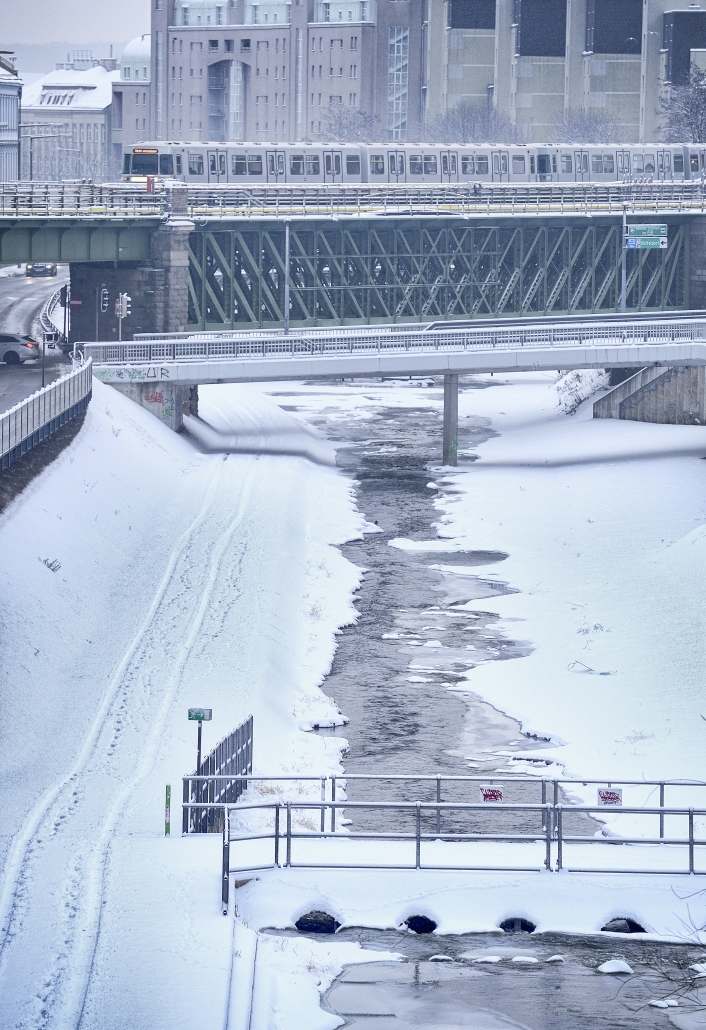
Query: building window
x,y
352,99
354,42
397,81
137,123
230,46
245,46
159,5
354,71
213,44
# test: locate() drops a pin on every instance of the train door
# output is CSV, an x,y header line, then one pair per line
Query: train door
x,y
395,165
217,166
664,165
581,165
333,166
501,166
449,166
623,163
275,166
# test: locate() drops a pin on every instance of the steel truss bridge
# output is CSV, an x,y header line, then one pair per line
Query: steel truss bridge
x,y
364,254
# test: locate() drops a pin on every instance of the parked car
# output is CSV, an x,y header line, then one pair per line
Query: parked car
x,y
16,349
40,268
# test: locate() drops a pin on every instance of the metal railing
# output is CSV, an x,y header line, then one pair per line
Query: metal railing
x,y
32,420
273,200
379,340
220,779
48,327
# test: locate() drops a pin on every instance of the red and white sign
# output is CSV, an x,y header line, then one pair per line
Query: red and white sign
x,y
491,795
610,797
75,303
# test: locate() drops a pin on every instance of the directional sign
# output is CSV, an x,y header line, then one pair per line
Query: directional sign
x,y
200,714
647,243
647,230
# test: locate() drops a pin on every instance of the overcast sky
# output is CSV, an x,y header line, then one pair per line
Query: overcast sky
x,y
72,21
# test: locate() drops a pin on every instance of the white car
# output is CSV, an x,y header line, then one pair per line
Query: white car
x,y
16,349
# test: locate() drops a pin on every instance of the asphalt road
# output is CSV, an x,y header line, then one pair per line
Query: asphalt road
x,y
21,300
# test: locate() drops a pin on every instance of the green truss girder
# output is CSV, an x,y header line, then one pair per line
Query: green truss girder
x,y
424,269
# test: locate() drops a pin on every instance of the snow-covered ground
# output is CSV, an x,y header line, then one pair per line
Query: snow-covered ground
x,y
142,576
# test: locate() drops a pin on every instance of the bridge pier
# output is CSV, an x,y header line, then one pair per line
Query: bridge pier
x,y
166,401
450,442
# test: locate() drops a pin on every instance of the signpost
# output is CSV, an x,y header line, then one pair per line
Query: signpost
x,y
639,237
199,715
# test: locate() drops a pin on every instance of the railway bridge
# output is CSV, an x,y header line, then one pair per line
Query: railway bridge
x,y
230,259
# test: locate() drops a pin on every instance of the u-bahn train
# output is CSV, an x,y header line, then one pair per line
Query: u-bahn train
x,y
298,163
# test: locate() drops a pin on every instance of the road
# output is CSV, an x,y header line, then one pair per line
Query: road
x,y
21,300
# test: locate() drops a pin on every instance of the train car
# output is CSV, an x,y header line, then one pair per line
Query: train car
x,y
243,164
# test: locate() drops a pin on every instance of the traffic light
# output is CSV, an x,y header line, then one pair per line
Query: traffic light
x,y
127,302
122,305
104,299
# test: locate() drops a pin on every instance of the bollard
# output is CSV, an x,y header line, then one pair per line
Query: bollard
x,y
168,811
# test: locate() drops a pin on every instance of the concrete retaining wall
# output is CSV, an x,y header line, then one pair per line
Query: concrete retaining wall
x,y
672,396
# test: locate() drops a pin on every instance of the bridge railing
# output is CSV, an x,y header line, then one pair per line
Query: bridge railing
x,y
385,341
33,419
289,200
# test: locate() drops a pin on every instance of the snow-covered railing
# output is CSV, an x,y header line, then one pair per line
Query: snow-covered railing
x,y
221,778
33,419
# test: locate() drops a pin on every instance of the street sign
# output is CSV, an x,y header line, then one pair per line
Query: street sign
x,y
75,303
200,714
647,230
104,299
647,243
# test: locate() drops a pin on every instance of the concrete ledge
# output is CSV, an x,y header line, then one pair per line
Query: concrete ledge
x,y
608,406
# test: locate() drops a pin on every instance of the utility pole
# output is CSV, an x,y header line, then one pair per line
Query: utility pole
x,y
623,256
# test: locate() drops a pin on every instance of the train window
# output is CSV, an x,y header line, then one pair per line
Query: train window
x,y
312,165
195,164
544,165
239,164
430,164
566,164
212,164
649,164
679,163
597,163
146,164
518,164
481,164
638,164
254,164
377,164
296,164
178,164
468,164
496,165
693,163
416,164
608,164
166,164
452,163
620,163
352,164
667,162
126,164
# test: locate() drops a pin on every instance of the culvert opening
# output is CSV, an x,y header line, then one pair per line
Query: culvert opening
x,y
623,924
420,924
517,925
317,922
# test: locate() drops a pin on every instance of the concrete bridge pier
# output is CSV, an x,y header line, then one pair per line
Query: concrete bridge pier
x,y
167,401
450,443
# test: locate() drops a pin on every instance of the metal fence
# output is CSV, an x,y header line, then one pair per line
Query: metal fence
x,y
220,780
378,341
32,420
87,200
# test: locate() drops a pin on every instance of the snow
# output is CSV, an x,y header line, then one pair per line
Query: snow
x,y
188,576
615,965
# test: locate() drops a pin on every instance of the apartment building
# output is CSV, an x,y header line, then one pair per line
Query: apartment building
x,y
131,117
10,93
541,61
275,70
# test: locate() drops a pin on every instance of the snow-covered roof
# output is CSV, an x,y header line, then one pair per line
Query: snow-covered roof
x,y
62,90
135,59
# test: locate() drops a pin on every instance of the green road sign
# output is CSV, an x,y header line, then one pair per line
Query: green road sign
x,y
647,230
647,243
200,714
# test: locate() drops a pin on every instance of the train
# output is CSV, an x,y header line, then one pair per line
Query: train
x,y
312,163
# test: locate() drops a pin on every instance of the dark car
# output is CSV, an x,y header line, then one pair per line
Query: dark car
x,y
16,349
40,268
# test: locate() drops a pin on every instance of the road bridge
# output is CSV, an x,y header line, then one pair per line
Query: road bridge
x,y
163,374
228,258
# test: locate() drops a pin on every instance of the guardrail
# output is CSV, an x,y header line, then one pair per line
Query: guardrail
x,y
48,327
388,340
86,200
32,420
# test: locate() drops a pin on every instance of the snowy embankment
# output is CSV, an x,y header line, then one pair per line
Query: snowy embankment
x,y
141,577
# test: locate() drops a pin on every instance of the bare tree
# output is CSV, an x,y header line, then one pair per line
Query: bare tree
x,y
345,124
684,111
594,126
472,123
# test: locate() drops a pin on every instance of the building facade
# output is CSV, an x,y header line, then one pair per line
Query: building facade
x,y
275,70
541,62
10,94
131,115
66,123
